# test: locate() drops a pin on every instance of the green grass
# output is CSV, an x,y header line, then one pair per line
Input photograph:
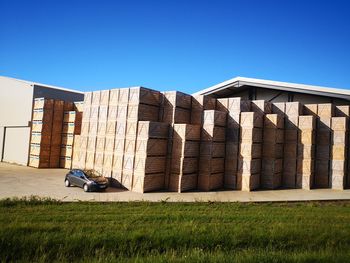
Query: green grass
x,y
48,231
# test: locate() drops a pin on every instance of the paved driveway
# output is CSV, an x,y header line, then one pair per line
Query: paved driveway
x,y
21,181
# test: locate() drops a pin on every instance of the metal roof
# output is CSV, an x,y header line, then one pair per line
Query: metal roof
x,y
42,85
237,83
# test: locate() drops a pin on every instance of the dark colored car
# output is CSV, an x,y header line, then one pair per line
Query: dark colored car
x,y
89,180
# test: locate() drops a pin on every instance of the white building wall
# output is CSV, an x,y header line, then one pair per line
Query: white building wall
x,y
16,102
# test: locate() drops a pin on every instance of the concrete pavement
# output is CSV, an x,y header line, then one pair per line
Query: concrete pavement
x,y
22,181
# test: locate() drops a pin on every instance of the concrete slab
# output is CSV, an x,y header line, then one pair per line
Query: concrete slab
x,y
22,181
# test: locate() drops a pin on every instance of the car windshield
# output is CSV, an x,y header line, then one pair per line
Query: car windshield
x,y
91,174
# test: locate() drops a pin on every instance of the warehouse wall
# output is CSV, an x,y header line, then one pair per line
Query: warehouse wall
x,y
15,110
51,93
16,145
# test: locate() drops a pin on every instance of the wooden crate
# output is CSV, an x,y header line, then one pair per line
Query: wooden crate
x,y
111,128
130,146
310,109
90,159
100,143
203,102
67,138
293,109
249,182
180,182
120,130
289,173
40,149
210,181
150,164
176,99
93,127
104,97
69,116
39,161
278,108
143,112
307,122
184,165
211,165
151,147
213,117
96,96
249,166
325,110
123,98
275,121
271,166
148,182
113,97
214,149
78,106
98,162
186,132
140,95
213,133
103,113
236,105
42,103
79,157
109,143
112,113
342,111
39,138
87,98
42,127
251,120
173,115
107,164
222,104
251,150
65,162
66,150
251,135
122,112
148,129
261,107
101,128
119,146
94,112
44,115
91,143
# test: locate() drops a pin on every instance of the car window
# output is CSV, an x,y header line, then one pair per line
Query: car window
x,y
78,173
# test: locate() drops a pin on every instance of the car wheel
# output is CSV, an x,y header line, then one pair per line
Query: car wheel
x,y
86,188
66,183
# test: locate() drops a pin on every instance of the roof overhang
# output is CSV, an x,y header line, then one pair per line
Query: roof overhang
x,y
238,83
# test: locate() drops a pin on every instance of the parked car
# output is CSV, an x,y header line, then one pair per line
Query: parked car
x,y
89,180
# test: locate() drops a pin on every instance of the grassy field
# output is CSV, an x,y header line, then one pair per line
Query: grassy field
x,y
49,231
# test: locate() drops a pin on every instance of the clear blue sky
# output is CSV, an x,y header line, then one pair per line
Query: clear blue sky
x,y
174,45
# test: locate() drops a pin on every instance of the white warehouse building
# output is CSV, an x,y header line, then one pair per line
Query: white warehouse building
x,y
16,107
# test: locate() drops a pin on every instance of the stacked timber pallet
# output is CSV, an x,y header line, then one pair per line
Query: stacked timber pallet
x,y
272,156
147,141
306,152
150,156
323,145
292,110
175,108
71,126
184,159
212,150
339,152
40,143
250,151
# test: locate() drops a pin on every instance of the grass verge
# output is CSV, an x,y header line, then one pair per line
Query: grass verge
x,y
35,230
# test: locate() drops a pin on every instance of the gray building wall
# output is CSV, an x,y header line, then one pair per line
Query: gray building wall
x,y
51,93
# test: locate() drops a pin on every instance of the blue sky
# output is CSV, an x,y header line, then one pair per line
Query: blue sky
x,y
174,45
